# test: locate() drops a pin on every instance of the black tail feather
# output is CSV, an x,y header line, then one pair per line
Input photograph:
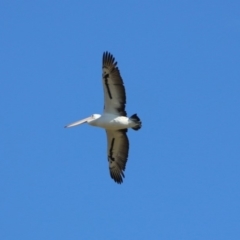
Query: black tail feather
x,y
137,120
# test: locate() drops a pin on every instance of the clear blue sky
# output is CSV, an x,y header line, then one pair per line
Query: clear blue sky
x,y
180,61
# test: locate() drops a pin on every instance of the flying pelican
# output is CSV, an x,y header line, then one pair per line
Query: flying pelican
x,y
114,118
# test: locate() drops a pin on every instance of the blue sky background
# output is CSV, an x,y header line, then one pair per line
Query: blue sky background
x,y
180,61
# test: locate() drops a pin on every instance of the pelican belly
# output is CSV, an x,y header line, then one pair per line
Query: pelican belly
x,y
111,122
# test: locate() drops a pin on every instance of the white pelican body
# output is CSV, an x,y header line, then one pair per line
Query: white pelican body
x,y
114,118
107,121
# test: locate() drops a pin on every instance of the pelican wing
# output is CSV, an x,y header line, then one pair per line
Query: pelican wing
x,y
114,90
118,146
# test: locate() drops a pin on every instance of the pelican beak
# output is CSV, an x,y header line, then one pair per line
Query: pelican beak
x,y
78,122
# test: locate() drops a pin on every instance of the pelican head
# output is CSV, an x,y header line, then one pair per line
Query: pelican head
x,y
85,120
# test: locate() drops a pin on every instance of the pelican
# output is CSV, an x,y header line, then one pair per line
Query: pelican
x,y
114,118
